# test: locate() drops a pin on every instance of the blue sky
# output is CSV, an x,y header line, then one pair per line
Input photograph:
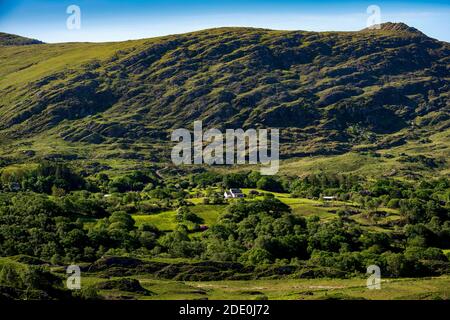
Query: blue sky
x,y
115,20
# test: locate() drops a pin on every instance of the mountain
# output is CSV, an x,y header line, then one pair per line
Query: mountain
x,y
368,100
396,27
7,39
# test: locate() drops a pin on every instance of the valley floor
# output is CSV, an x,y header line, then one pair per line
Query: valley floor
x,y
286,289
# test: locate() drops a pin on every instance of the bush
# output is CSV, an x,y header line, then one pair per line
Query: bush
x,y
269,183
256,256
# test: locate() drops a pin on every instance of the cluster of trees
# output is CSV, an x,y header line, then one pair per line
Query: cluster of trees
x,y
29,282
265,231
64,217
257,232
250,232
21,279
57,178
315,185
38,226
47,177
213,197
417,201
249,179
134,181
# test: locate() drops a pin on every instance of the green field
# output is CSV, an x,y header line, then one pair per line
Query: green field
x,y
165,220
301,289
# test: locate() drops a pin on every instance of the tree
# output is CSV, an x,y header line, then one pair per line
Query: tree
x,y
269,183
121,220
185,214
256,256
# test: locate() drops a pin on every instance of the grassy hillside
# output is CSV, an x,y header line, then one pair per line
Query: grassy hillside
x,y
369,102
7,39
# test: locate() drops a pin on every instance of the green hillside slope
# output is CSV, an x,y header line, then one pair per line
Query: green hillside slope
x,y
374,101
7,39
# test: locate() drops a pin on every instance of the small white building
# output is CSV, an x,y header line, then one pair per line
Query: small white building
x,y
233,193
329,198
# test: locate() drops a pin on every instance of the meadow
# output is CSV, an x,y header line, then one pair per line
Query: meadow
x,y
325,210
287,289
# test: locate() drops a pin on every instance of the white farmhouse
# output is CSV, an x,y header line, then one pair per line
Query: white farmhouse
x,y
233,193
